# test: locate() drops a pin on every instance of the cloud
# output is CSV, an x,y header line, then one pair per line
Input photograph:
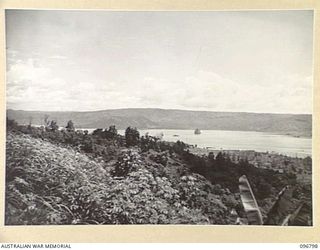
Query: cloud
x,y
11,53
32,86
28,70
58,57
257,61
210,91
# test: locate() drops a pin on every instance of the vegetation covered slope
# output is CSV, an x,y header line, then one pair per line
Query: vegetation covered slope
x,y
50,184
73,177
294,124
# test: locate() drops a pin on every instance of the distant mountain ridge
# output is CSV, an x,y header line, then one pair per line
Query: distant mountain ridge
x,y
149,118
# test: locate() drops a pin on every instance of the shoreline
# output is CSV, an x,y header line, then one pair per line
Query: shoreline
x,y
295,135
206,151
289,134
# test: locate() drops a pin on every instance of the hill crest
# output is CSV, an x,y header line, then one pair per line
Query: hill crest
x,y
150,118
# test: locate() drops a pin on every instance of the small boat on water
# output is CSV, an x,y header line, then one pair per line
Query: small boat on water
x,y
175,135
197,131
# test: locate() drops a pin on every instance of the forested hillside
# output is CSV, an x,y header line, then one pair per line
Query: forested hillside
x,y
298,125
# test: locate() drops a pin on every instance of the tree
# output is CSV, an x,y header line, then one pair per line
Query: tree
x,y
30,121
264,189
111,133
11,124
112,129
53,125
132,136
211,156
97,132
179,147
221,157
46,121
70,126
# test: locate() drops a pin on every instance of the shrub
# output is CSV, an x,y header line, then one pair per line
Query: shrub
x,y
53,126
127,162
70,126
11,124
48,184
111,133
132,136
160,158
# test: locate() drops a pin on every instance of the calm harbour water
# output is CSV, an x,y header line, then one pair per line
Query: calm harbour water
x,y
237,140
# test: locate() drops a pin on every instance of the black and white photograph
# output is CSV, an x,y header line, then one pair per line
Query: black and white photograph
x,y
120,117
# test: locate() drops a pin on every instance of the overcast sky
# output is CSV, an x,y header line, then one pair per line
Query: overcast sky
x,y
251,61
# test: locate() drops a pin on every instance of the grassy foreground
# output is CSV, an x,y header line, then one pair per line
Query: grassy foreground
x,y
51,184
